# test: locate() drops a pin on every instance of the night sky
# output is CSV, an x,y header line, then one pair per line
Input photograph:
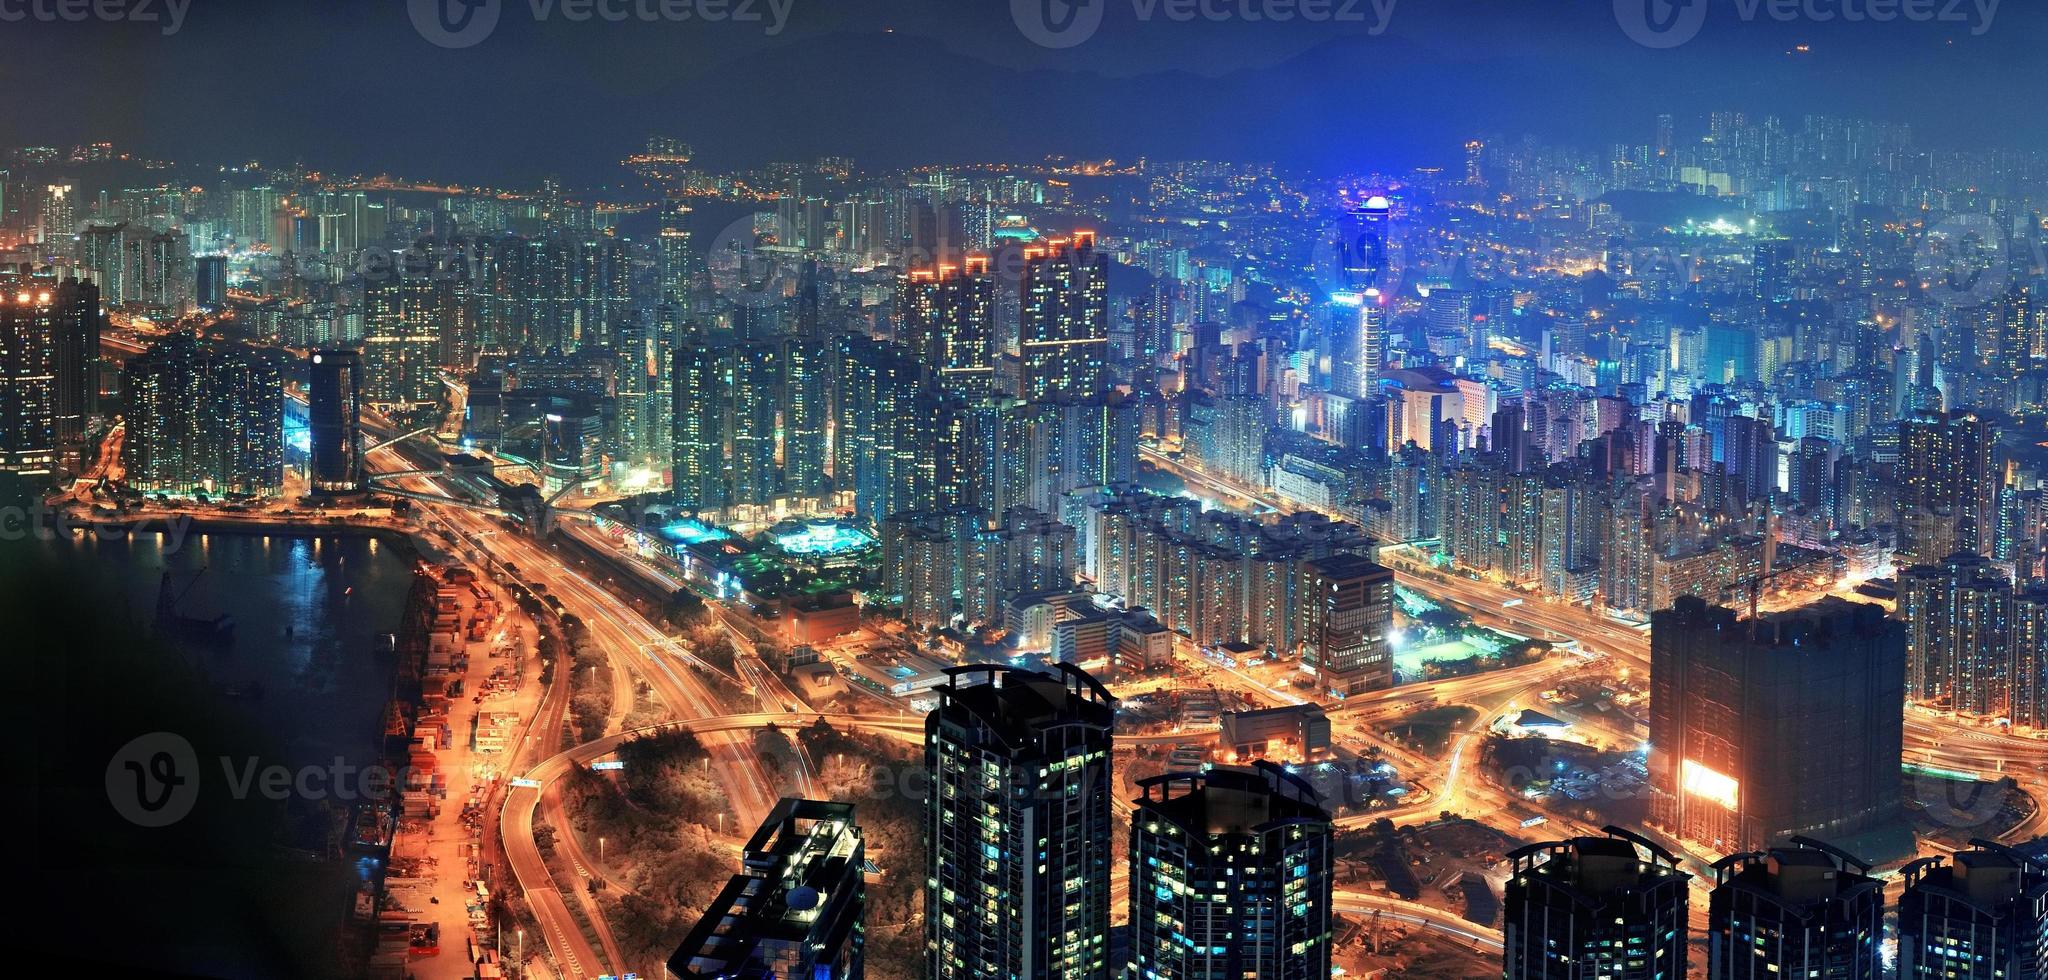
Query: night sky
x,y
351,85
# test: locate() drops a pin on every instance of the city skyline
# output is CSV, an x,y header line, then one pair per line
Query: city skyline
x,y
1109,489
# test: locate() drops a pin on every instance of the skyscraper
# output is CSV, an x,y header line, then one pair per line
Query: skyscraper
x,y
1064,325
1767,728
948,318
1610,907
403,317
1960,640
1946,485
700,378
205,418
1347,606
28,376
334,420
1982,915
1805,909
1230,877
795,910
1017,827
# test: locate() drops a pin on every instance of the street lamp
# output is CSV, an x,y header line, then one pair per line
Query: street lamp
x,y
600,850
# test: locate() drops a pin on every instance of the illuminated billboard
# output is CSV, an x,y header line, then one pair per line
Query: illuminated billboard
x,y
1705,783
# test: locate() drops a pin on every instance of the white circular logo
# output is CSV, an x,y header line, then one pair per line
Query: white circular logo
x,y
743,268
1058,23
454,23
1661,24
1959,803
1964,261
154,779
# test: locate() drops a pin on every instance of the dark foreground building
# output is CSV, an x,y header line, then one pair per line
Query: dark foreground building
x,y
1230,877
334,409
1611,907
794,912
1806,909
1982,915
1017,826
1788,725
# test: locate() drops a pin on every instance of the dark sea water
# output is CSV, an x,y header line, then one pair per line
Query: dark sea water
x,y
307,663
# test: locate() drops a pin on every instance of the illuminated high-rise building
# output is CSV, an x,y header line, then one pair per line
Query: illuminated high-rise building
x,y
701,380
1064,319
1803,909
334,421
1231,873
403,319
1946,485
795,911
1980,914
1347,612
28,376
1611,907
948,318
205,418
1017,825
1790,724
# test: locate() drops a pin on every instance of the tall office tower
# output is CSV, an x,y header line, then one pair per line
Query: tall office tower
x,y
634,372
599,291
210,281
101,249
1787,724
1981,916
1804,909
1771,269
949,319
1230,877
1750,453
701,378
205,417
675,257
806,413
1610,907
56,214
29,341
1064,319
1813,474
1347,610
795,911
1017,826
1946,484
880,438
403,317
78,321
334,420
250,214
1959,635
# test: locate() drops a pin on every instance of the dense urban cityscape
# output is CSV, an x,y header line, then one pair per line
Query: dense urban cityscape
x,y
1563,557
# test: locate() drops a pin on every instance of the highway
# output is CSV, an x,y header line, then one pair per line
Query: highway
x,y
632,644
